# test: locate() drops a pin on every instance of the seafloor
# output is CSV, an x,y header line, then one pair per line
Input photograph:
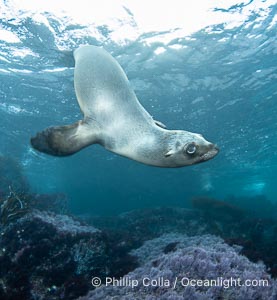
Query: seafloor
x,y
46,253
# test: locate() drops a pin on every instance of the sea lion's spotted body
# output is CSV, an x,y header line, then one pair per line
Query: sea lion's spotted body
x,y
114,118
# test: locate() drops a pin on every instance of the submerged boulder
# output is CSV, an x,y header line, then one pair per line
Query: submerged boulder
x,y
50,256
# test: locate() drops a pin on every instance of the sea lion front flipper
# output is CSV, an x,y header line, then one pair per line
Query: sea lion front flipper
x,y
160,124
64,140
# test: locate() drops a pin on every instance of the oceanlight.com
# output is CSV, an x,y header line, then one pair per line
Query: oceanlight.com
x,y
173,283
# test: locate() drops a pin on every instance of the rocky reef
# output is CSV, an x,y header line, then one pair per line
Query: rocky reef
x,y
46,253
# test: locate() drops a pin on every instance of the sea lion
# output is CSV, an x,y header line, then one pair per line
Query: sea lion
x,y
114,118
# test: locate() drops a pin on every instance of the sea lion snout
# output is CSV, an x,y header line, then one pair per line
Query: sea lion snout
x,y
212,151
216,148
213,147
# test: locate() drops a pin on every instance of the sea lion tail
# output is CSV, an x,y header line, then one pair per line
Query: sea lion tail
x,y
64,140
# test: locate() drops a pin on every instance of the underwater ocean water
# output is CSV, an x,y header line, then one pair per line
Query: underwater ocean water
x,y
208,68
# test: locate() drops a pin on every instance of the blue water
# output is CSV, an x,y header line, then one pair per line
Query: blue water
x,y
218,80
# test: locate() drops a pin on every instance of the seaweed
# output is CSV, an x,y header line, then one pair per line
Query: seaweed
x,y
13,207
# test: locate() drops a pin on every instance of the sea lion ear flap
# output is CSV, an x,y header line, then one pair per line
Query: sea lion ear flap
x,y
169,153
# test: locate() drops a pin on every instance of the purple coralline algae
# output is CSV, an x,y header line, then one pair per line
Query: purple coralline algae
x,y
178,267
62,223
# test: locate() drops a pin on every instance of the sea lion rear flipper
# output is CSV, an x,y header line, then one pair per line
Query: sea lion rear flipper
x,y
64,140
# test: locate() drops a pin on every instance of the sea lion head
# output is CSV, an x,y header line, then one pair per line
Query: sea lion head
x,y
187,148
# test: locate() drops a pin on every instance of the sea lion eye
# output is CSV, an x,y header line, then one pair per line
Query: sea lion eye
x,y
191,149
